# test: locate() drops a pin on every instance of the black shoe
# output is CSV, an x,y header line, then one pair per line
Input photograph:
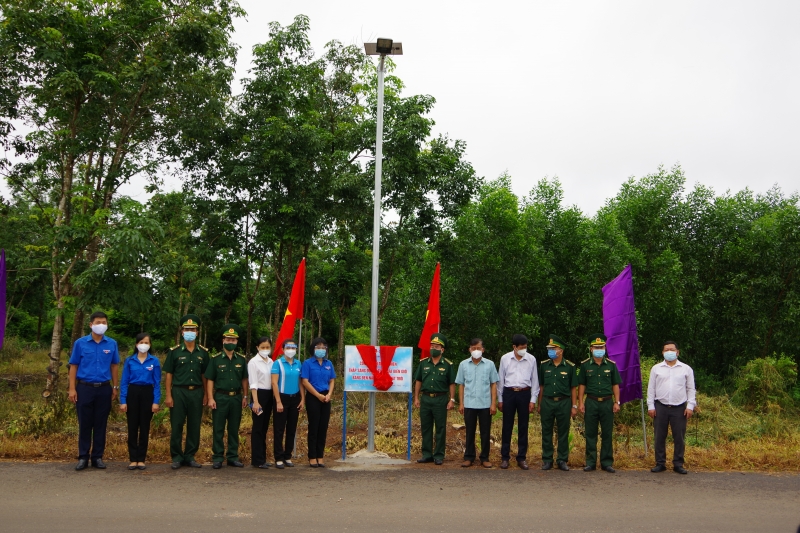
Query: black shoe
x,y
288,463
264,466
547,466
658,468
504,464
268,464
562,465
98,463
279,465
680,470
425,460
82,464
194,464
237,464
132,467
313,465
438,462
176,465
609,469
588,468
321,465
141,467
217,466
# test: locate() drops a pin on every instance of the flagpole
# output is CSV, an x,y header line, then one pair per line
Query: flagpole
x,y
641,402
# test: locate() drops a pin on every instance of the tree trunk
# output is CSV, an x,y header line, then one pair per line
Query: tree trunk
x,y
340,347
77,326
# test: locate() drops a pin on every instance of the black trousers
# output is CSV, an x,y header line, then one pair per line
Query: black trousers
x,y
515,403
93,407
670,417
319,415
285,424
473,417
140,413
258,437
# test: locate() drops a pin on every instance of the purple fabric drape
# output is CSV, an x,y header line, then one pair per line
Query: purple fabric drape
x,y
2,297
619,325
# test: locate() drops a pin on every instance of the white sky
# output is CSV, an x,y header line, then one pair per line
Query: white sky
x,y
592,92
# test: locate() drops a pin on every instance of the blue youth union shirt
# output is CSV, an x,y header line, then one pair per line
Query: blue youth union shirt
x,y
318,374
94,359
135,372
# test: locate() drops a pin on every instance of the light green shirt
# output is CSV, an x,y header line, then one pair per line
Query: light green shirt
x,y
477,381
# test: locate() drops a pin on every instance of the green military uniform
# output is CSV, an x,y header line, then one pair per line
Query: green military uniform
x,y
434,397
227,374
556,382
599,380
187,368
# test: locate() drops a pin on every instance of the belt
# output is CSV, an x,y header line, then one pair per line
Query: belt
x,y
188,387
517,389
227,392
323,392
668,405
290,395
433,394
556,398
89,383
599,398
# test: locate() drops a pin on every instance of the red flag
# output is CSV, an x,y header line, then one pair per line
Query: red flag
x,y
293,311
432,318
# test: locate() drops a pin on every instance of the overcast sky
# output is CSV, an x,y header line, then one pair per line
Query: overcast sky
x,y
592,92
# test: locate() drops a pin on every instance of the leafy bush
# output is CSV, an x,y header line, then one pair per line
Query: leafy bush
x,y
766,385
12,349
44,417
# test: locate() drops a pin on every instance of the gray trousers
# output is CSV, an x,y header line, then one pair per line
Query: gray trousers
x,y
670,417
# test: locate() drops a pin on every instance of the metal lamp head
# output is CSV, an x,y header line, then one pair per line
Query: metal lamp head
x,y
383,46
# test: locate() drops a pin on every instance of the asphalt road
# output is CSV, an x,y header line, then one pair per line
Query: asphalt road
x,y
52,497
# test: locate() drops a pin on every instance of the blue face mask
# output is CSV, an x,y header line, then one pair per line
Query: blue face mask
x,y
320,353
670,356
598,353
551,353
189,336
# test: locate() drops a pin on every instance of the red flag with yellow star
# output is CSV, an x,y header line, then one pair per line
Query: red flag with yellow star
x,y
432,318
293,311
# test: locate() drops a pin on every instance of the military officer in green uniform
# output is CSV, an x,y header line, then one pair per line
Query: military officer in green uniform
x,y
599,379
558,381
434,395
185,392
227,391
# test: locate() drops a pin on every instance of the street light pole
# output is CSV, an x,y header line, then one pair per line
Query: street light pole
x,y
383,48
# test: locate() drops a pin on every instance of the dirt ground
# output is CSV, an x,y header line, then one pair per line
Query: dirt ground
x,y
422,498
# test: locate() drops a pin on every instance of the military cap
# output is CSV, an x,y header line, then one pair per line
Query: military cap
x,y
597,339
519,339
190,321
555,342
231,330
438,338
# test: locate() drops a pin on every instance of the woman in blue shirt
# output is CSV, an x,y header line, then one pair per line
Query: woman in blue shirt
x,y
289,400
140,394
318,377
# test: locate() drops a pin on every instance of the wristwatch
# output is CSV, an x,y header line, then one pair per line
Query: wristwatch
x,y
453,400
574,406
115,387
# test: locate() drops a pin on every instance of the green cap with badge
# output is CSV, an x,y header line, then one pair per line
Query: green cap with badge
x,y
231,330
438,338
190,321
555,342
597,340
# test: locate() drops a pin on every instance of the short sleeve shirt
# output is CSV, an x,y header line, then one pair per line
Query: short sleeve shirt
x,y
94,359
318,375
557,380
599,379
288,375
226,372
187,368
477,381
435,377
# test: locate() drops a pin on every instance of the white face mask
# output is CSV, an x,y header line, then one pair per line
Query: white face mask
x,y
264,353
289,353
143,348
522,351
99,329
476,354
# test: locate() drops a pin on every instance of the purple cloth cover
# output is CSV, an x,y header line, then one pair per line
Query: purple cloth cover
x,y
619,325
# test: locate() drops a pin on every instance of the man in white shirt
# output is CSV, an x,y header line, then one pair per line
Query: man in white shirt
x,y
517,391
670,403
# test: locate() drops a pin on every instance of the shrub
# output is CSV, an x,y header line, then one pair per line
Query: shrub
x,y
764,385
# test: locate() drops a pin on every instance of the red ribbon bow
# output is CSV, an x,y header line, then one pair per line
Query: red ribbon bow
x,y
382,380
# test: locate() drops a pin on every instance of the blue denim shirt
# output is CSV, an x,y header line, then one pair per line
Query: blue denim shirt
x,y
94,359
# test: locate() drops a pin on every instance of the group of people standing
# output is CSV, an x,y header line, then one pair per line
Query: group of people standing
x,y
279,389
557,389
